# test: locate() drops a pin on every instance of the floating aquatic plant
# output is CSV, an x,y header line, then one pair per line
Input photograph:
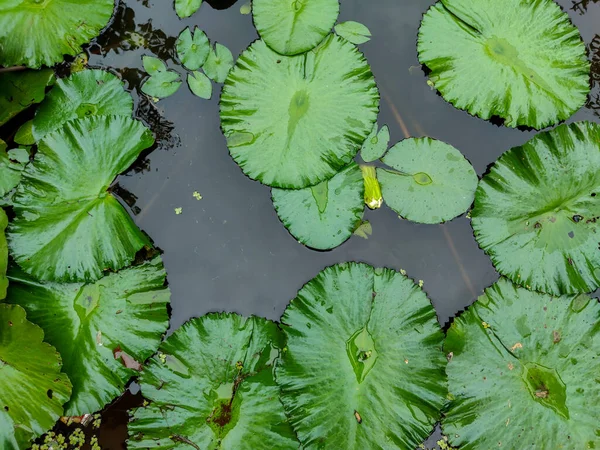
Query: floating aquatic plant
x,y
20,90
193,49
3,255
162,82
12,164
353,32
218,63
186,8
200,85
375,144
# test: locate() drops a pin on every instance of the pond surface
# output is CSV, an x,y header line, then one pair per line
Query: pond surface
x,y
228,251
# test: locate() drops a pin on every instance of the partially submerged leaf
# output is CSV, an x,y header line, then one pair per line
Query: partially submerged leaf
x,y
10,169
3,255
295,26
192,50
153,65
103,330
225,363
20,90
200,85
185,8
364,230
537,209
292,122
432,182
162,82
353,32
363,366
522,61
32,387
246,8
524,371
375,144
325,215
36,33
218,63
68,226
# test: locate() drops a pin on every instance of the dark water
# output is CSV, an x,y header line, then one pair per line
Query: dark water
x,y
229,251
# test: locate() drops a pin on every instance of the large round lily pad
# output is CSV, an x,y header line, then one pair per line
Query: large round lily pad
x,y
104,331
32,387
292,122
536,211
325,215
40,32
523,61
432,182
211,387
84,94
523,372
3,254
294,26
68,226
363,367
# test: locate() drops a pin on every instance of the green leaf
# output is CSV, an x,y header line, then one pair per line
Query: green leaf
x,y
3,255
363,367
325,215
524,371
218,63
32,387
225,364
192,51
185,8
246,8
104,331
432,182
40,32
162,84
24,135
10,170
153,65
68,226
522,61
375,144
20,90
292,122
353,32
296,26
200,85
536,210
84,94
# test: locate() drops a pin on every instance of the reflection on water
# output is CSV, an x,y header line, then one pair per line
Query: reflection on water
x,y
593,102
581,6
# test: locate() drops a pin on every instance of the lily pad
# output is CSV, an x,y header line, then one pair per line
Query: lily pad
x,y
294,27
522,61
218,63
83,94
536,211
225,363
10,169
162,82
192,50
68,226
325,215
41,32
292,122
3,255
363,367
200,85
32,387
432,182
20,90
104,331
523,371
353,32
375,144
185,8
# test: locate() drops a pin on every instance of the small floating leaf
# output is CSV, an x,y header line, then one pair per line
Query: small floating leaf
x,y
153,65
218,63
10,170
522,61
185,8
353,32
308,115
20,90
367,341
364,230
432,181
128,308
162,84
537,209
32,387
325,215
246,8
24,135
375,144
3,255
200,85
514,382
295,26
192,51
68,227
227,360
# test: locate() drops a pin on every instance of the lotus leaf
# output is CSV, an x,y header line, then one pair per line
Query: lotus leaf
x,y
523,371
68,226
20,90
364,366
292,122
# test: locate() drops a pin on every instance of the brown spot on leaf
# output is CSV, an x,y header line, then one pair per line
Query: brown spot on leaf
x,y
555,337
127,360
357,417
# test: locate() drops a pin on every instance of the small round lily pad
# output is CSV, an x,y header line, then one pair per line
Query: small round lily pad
x,y
523,61
292,122
192,49
537,209
523,371
364,366
295,26
432,182
325,215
